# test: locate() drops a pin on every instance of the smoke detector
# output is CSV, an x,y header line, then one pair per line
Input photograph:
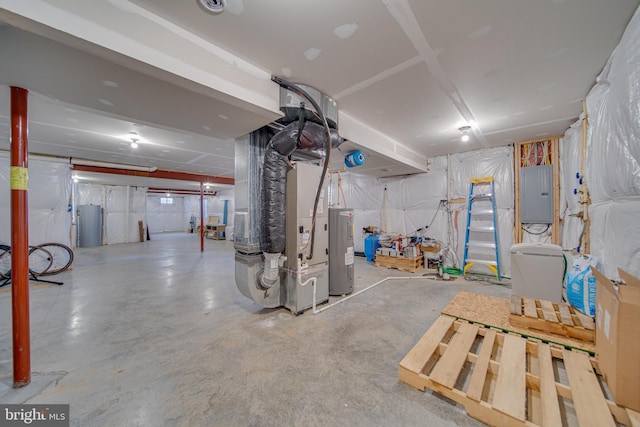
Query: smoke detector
x,y
215,6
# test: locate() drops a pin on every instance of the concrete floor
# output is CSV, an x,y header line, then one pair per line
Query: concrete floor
x,y
156,334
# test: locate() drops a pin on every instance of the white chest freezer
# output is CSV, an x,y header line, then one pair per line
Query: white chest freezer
x,y
537,271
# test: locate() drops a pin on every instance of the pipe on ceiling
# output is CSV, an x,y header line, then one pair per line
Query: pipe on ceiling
x,y
85,162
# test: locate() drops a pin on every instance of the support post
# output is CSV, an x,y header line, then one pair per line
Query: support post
x,y
20,239
201,216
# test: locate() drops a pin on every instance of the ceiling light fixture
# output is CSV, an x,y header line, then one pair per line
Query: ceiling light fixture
x,y
134,142
464,130
75,179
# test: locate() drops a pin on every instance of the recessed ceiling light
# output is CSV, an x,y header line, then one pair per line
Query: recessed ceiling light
x,y
134,143
206,128
223,117
214,6
110,83
105,102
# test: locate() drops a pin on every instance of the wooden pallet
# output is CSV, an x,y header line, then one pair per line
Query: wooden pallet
x,y
405,264
494,312
507,380
556,318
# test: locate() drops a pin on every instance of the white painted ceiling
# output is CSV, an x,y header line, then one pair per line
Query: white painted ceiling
x,y
413,70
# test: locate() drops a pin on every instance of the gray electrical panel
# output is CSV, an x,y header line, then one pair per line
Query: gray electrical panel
x,y
341,255
536,194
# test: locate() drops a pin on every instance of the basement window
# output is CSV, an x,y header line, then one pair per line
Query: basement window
x,y
166,200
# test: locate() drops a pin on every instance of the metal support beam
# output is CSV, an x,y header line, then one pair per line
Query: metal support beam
x,y
159,173
20,239
201,217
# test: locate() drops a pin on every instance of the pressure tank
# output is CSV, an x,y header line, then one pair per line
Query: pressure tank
x,y
354,159
370,246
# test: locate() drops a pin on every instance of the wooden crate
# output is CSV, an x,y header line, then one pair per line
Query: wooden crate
x,y
507,380
405,264
556,318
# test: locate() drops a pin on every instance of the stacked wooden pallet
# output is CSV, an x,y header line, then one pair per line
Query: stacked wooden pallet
x,y
556,318
506,379
404,264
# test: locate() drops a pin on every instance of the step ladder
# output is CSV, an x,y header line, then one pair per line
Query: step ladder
x,y
481,239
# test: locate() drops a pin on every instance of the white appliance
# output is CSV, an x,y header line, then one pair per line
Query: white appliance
x,y
537,271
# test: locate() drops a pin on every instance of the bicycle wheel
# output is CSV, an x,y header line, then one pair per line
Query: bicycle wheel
x,y
61,258
5,261
40,260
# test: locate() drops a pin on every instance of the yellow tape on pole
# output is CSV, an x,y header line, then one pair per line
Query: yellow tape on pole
x,y
19,178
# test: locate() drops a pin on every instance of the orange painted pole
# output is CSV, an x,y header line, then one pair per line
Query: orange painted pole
x,y
20,239
201,217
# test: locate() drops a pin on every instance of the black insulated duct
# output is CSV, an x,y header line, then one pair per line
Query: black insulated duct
x,y
274,178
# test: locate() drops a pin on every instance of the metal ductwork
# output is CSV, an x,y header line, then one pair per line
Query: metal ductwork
x,y
265,196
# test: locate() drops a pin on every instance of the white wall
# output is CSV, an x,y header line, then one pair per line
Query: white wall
x,y
49,196
163,218
613,157
412,202
122,207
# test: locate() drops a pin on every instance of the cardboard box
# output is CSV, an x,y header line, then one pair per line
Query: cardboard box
x,y
618,336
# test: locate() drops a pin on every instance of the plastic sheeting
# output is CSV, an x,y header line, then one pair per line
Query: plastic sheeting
x,y
125,207
613,168
613,157
414,202
49,195
615,233
495,162
570,159
168,217
120,213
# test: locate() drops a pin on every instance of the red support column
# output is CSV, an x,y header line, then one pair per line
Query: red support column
x,y
20,239
201,217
